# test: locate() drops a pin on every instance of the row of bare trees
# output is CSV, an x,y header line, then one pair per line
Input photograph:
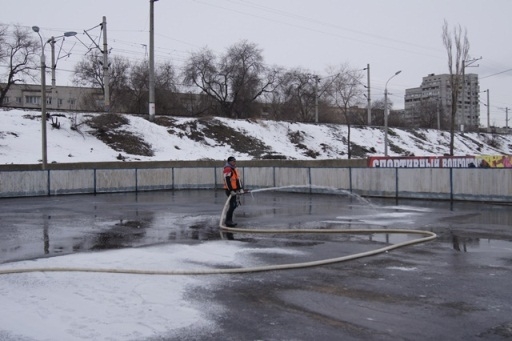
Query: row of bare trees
x,y
128,85
236,83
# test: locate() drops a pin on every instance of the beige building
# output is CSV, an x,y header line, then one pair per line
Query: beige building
x,y
57,98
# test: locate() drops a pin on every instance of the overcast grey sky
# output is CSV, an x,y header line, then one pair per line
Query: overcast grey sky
x,y
389,35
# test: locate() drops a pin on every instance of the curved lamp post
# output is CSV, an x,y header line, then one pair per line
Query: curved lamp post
x,y
43,90
386,114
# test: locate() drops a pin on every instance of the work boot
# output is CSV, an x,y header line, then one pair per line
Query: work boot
x,y
230,224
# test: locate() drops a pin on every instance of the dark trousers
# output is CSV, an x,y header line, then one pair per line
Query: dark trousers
x,y
232,206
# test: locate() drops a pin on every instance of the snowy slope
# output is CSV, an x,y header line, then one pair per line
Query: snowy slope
x,y
202,139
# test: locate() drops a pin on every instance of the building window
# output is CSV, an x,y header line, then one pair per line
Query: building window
x,y
71,101
32,99
6,99
18,100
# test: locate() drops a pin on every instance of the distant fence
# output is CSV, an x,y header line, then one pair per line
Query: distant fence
x,y
468,184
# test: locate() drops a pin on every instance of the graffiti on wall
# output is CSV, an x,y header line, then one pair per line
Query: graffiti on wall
x,y
469,161
497,161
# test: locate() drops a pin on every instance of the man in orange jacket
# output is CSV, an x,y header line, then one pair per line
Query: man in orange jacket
x,y
233,186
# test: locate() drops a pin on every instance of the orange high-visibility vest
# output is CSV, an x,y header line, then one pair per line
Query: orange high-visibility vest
x,y
234,178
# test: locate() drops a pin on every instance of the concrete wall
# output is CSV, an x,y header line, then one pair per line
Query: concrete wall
x,y
488,184
470,184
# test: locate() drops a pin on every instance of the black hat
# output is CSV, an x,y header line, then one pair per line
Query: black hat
x,y
231,158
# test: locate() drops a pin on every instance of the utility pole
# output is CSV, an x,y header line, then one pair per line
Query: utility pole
x,y
106,76
488,112
151,60
54,66
317,79
52,41
506,118
438,100
367,68
104,51
461,116
465,64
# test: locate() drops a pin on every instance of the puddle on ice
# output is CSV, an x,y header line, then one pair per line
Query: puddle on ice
x,y
474,245
481,245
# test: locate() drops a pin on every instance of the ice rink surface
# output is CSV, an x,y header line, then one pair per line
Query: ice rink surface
x,y
454,287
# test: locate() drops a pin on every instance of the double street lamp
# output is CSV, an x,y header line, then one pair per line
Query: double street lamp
x,y
386,114
43,88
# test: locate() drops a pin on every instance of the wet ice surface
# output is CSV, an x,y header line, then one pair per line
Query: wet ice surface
x,y
60,225
179,230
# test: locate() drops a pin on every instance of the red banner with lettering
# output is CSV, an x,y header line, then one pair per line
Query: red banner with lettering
x,y
469,161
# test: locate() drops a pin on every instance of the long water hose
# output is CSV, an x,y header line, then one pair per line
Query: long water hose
x,y
427,236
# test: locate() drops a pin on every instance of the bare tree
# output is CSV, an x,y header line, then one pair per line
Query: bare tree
x,y
119,83
89,72
457,48
395,119
298,92
19,51
139,80
234,81
346,91
165,86
378,107
166,97
273,101
3,41
426,113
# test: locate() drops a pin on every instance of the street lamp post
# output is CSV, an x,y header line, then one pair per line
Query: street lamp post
x,y
43,92
43,97
386,114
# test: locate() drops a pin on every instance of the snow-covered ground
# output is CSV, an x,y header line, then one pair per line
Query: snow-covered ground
x,y
103,306
20,140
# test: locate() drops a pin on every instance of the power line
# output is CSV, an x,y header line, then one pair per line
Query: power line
x,y
321,31
495,74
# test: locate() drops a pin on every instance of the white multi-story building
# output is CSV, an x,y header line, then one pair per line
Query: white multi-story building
x,y
430,103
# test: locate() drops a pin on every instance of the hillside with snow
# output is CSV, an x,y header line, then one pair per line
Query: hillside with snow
x,y
82,137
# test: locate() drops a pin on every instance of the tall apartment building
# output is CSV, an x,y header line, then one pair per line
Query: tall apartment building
x,y
430,103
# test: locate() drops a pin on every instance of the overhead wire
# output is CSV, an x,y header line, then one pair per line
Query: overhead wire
x,y
323,23
331,33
